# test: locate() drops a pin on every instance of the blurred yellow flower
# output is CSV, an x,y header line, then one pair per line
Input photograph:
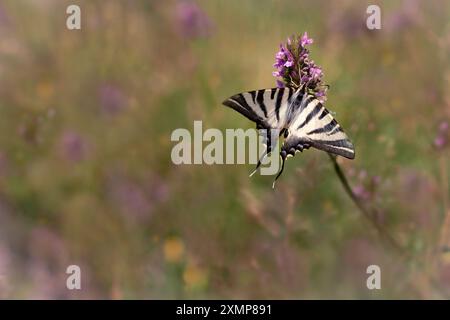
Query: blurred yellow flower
x,y
173,249
194,276
44,89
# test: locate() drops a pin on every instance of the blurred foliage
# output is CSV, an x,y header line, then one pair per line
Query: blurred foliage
x,y
86,176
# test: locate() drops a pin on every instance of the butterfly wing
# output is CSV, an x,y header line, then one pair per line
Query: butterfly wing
x,y
308,122
266,107
314,126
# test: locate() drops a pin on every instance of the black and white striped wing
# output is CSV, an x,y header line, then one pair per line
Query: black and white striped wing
x,y
314,126
266,107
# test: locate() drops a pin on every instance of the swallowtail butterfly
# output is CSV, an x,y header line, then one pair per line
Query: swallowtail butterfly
x,y
300,118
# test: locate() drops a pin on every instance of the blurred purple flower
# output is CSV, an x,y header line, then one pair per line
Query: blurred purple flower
x,y
73,147
47,262
443,126
347,22
137,199
4,18
423,189
362,174
442,137
160,190
47,245
5,270
440,142
132,199
357,254
296,69
376,180
405,17
361,192
366,188
112,99
192,20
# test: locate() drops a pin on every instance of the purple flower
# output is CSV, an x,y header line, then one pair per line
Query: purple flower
x,y
316,72
289,63
47,252
73,147
443,127
192,20
5,271
440,142
362,174
4,17
280,84
347,23
281,54
405,17
295,68
321,95
305,40
357,254
367,185
112,99
442,137
361,192
281,58
376,180
134,199
305,79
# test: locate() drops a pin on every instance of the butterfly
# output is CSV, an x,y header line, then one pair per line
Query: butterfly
x,y
299,117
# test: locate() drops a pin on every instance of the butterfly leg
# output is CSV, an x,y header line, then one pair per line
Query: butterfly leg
x,y
283,155
285,152
268,137
268,150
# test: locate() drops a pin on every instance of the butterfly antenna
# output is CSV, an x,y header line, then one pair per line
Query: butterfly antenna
x,y
279,173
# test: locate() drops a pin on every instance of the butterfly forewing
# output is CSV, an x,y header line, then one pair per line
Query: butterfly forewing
x,y
266,107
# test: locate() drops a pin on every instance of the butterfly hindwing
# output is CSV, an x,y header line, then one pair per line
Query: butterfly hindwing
x,y
314,126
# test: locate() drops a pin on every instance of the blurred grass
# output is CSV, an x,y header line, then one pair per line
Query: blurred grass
x,y
86,119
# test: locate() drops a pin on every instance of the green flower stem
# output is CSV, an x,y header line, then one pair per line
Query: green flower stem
x,y
371,216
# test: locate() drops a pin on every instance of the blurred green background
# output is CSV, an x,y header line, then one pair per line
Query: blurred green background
x,y
86,176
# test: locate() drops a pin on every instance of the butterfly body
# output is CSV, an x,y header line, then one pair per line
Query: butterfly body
x,y
300,118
